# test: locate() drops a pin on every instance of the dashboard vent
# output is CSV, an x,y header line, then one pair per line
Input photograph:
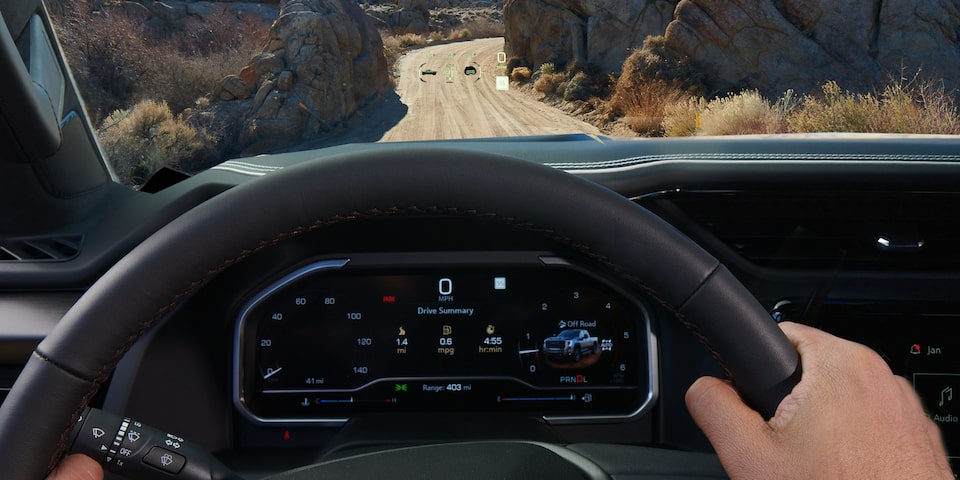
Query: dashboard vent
x,y
807,230
40,249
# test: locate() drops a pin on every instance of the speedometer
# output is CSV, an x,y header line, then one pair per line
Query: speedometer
x,y
510,332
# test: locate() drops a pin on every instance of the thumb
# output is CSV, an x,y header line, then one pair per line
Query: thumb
x,y
77,467
738,433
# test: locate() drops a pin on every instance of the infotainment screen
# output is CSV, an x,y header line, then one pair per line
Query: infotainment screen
x,y
921,342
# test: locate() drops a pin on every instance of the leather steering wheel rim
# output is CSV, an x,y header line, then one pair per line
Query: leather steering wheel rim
x,y
67,368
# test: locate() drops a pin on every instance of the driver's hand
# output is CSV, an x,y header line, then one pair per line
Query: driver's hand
x,y
77,467
849,417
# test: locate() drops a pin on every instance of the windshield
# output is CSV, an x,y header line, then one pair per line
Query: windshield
x,y
568,334
189,84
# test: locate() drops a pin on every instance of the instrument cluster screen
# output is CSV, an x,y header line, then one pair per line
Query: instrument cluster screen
x,y
334,340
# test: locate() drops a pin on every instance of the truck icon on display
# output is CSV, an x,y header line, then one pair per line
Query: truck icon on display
x,y
571,344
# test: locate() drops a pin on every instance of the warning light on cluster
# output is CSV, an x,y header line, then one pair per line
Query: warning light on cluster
x,y
389,299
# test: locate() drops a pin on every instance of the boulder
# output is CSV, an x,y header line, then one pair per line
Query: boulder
x,y
322,62
775,45
598,32
233,87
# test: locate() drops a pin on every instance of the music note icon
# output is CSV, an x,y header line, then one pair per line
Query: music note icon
x,y
946,395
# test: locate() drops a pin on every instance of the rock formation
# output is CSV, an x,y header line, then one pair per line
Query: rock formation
x,y
401,15
466,4
776,45
323,60
423,16
770,45
600,32
163,17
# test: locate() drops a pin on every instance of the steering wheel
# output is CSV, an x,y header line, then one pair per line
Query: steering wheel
x,y
67,368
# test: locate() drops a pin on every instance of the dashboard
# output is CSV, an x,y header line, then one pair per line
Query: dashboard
x,y
397,332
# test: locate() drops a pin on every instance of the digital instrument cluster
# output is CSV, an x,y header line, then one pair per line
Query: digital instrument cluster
x,y
510,332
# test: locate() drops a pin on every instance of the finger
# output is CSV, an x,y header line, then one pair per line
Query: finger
x,y
77,467
737,432
800,334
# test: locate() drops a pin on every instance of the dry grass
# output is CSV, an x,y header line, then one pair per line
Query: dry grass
x,y
643,106
394,45
683,118
408,40
902,107
141,140
460,34
743,113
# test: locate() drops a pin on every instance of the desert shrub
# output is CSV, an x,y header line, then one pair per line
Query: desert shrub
x,y
117,63
408,40
585,83
140,140
180,80
550,84
202,56
478,26
642,104
521,74
106,54
484,27
391,47
460,34
835,110
654,61
681,118
653,78
742,113
222,32
548,69
902,107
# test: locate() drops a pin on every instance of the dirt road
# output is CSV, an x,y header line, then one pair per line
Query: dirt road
x,y
451,92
